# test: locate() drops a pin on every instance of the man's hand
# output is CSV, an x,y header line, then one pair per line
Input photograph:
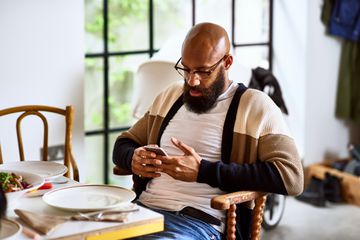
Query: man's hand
x,y
145,163
184,168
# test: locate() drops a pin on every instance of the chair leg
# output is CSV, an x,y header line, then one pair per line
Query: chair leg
x,y
258,217
231,222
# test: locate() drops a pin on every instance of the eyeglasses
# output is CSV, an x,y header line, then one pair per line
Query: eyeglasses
x,y
201,74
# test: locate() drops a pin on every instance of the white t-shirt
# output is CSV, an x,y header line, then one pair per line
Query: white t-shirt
x,y
203,132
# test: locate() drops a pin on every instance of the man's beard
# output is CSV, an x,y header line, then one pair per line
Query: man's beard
x,y
208,97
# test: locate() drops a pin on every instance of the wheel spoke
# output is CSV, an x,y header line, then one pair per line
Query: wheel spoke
x,y
271,212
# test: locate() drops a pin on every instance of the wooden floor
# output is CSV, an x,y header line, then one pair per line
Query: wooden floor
x,y
303,221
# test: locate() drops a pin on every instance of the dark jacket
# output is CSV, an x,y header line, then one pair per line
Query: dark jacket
x,y
345,19
262,79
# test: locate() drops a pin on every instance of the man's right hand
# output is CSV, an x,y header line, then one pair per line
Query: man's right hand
x,y
145,163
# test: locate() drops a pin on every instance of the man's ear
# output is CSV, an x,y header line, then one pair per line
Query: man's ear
x,y
228,62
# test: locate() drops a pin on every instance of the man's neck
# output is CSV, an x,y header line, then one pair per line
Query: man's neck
x,y
226,85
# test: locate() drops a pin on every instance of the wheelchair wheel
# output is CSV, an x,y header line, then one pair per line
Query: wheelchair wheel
x,y
274,209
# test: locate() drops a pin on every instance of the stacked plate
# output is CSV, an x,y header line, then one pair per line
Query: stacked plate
x,y
45,169
34,173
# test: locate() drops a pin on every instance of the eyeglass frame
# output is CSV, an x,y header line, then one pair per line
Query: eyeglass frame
x,y
210,70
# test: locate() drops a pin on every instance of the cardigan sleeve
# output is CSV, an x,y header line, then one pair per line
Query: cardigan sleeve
x,y
264,156
262,176
123,152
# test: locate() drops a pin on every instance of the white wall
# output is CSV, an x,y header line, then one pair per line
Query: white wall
x,y
290,63
324,134
306,62
41,61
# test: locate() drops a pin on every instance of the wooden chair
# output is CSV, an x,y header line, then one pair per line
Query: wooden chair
x,y
38,110
228,202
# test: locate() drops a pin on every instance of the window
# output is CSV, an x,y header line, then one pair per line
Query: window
x,y
121,34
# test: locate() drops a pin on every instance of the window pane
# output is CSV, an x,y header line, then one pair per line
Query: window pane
x,y
121,88
94,159
94,25
256,13
178,20
122,181
128,25
94,93
215,12
253,56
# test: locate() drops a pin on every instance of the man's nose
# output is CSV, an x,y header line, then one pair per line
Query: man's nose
x,y
193,80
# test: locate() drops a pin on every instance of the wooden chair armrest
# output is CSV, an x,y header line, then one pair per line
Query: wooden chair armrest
x,y
228,202
223,202
120,171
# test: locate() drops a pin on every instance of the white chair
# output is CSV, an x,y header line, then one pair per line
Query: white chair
x,y
151,78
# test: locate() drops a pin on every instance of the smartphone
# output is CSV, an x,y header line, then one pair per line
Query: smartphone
x,y
157,150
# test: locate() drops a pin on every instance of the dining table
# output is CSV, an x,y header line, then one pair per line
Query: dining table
x,y
141,222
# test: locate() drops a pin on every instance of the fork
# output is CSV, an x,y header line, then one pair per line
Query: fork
x,y
100,214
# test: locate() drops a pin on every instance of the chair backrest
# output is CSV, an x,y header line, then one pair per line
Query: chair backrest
x,y
40,111
152,77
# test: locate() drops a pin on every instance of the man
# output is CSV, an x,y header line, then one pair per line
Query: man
x,y
220,137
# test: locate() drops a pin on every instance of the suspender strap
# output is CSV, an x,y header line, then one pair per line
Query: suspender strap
x,y
228,130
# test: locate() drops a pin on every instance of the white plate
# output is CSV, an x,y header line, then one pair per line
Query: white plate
x,y
9,229
43,168
84,198
13,198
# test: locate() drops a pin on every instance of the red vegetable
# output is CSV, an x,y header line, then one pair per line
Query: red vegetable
x,y
46,185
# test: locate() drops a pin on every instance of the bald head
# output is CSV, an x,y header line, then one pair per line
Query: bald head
x,y
207,42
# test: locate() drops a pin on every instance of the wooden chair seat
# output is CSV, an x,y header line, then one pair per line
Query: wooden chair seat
x,y
41,112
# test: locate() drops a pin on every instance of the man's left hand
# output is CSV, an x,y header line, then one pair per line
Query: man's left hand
x,y
184,168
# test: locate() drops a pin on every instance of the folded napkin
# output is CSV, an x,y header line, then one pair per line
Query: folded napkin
x,y
45,224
